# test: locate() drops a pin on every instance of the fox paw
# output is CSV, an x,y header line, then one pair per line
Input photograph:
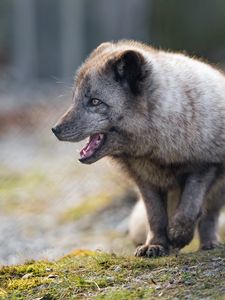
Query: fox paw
x,y
181,232
151,251
209,245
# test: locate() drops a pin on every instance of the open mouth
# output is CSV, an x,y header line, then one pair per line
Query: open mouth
x,y
94,144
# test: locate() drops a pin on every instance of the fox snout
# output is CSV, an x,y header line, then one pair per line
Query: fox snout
x,y
57,130
69,130
65,131
65,128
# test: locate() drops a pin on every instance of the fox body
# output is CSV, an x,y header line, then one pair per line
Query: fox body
x,y
161,116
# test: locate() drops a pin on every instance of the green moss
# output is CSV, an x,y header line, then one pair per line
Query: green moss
x,y
12,180
17,187
124,294
192,247
96,275
90,204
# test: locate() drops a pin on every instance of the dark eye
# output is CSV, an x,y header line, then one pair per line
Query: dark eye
x,y
95,102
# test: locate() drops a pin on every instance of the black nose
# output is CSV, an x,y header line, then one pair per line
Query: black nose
x,y
56,130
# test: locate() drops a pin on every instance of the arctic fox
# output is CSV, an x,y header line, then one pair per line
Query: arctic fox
x,y
161,116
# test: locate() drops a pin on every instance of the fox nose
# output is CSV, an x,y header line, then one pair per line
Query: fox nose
x,y
56,130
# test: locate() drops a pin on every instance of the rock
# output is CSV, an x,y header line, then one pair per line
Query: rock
x,y
117,269
52,276
48,269
28,275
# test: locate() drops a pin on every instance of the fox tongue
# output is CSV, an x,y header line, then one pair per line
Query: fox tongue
x,y
89,149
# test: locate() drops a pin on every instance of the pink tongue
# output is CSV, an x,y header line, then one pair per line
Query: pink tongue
x,y
93,143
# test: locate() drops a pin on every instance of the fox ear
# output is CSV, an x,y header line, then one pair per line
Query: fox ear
x,y
130,68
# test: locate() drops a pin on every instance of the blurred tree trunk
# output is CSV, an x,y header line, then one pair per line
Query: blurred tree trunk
x,y
72,36
24,50
113,20
133,19
48,27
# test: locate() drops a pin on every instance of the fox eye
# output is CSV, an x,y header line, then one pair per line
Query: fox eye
x,y
95,102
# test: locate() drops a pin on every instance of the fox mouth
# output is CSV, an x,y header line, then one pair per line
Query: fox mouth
x,y
94,144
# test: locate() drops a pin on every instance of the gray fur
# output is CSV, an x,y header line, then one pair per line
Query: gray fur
x,y
163,116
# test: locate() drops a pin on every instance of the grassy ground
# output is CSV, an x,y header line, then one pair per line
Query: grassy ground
x,y
45,196
97,275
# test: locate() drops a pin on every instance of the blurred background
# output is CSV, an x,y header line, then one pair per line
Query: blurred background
x,y
49,203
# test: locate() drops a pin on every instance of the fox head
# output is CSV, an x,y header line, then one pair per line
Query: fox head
x,y
108,103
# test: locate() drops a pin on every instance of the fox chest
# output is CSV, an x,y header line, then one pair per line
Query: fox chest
x,y
147,171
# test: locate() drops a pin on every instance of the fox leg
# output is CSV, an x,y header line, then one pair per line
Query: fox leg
x,y
208,223
139,228
157,243
182,227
